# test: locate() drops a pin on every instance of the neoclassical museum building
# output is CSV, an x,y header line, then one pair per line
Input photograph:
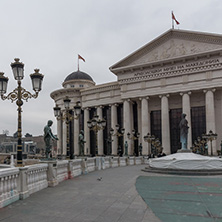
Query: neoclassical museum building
x,y
178,72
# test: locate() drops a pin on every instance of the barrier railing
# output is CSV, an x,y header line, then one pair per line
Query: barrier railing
x,y
37,177
62,170
9,189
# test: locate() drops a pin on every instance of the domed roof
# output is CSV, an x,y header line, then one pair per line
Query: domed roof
x,y
78,75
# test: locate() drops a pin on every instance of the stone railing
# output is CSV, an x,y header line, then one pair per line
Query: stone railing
x,y
91,164
107,162
37,177
9,187
62,170
19,183
75,168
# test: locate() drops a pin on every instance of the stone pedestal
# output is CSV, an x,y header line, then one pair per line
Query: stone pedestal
x,y
184,151
23,186
52,172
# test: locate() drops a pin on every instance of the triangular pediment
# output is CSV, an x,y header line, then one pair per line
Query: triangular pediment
x,y
170,45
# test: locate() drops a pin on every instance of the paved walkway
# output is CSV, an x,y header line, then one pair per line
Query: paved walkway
x,y
114,198
85,198
182,199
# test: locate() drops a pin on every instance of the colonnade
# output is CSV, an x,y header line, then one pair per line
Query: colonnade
x,y
143,124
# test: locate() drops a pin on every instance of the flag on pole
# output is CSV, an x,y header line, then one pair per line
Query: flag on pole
x,y
80,57
174,18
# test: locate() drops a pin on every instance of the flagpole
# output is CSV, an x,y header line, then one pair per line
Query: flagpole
x,y
78,62
172,20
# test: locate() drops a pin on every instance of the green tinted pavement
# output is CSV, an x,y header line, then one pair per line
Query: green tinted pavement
x,y
182,198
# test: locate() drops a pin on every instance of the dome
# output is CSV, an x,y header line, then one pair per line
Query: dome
x,y
78,75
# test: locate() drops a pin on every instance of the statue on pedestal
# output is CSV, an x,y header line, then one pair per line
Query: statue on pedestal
x,y
140,149
126,148
47,138
81,143
183,132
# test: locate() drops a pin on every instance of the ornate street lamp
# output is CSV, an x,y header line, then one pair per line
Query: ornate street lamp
x,y
96,125
135,136
156,147
200,146
210,137
119,133
19,94
67,117
149,138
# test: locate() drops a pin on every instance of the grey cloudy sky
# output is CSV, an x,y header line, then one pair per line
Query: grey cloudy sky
x,y
48,34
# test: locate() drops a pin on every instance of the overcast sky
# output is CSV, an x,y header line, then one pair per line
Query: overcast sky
x,y
49,34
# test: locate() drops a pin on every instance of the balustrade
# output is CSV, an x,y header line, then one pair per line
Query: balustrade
x,y
37,177
62,170
8,186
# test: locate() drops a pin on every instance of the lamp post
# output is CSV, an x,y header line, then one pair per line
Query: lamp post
x,y
67,117
149,139
19,94
199,146
119,133
210,137
135,136
96,124
156,147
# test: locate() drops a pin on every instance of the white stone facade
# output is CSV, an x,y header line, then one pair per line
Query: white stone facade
x,y
180,71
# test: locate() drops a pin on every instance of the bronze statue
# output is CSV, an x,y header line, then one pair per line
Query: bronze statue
x,y
183,132
47,138
140,149
126,148
81,143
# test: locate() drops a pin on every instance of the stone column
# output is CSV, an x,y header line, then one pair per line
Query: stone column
x,y
59,135
186,109
210,117
76,136
165,123
127,124
145,124
86,132
131,150
113,125
100,132
139,121
64,137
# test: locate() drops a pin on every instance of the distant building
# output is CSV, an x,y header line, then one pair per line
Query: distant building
x,y
178,72
30,145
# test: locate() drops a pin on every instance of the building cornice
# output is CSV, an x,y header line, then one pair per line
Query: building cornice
x,y
172,33
101,88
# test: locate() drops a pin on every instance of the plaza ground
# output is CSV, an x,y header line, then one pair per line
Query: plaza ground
x,y
114,195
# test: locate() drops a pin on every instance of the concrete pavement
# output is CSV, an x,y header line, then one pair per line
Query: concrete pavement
x,y
85,198
111,196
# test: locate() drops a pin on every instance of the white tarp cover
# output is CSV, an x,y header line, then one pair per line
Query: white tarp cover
x,y
187,161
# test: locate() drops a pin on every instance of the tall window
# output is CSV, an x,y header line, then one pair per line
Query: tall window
x,y
175,118
198,121
106,133
92,112
120,122
155,118
71,135
81,120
